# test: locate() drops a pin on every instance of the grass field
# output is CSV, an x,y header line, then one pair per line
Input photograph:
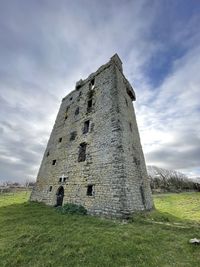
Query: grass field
x,y
35,235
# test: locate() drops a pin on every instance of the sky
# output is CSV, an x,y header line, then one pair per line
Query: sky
x,y
46,46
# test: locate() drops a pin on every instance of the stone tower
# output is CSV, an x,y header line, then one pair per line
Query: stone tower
x,y
94,155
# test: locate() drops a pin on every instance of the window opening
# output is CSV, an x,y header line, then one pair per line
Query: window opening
x,y
89,105
82,152
60,140
86,127
54,162
66,113
64,179
90,190
126,102
136,161
92,84
130,126
73,135
47,153
71,98
50,188
77,111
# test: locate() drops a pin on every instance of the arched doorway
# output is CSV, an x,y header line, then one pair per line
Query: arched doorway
x,y
59,196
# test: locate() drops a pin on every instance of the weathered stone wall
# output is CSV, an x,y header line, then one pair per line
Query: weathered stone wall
x,y
114,163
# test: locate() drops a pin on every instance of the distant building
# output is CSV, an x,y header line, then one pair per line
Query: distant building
x,y
94,156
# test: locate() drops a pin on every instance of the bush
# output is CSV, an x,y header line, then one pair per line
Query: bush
x,y
71,208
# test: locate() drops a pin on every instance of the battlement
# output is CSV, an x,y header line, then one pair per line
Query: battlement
x,y
115,59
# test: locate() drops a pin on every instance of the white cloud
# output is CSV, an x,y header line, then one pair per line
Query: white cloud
x,y
62,43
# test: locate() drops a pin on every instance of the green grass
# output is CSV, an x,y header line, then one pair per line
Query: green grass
x,y
184,206
33,235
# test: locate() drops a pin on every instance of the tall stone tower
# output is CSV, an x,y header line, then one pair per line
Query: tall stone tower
x,y
94,155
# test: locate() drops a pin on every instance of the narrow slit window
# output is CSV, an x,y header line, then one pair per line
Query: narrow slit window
x,y
60,140
86,127
50,188
77,111
60,179
89,105
47,153
126,102
92,83
130,126
66,113
90,190
82,152
54,162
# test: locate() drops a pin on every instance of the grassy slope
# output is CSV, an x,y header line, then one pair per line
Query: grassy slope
x,y
35,235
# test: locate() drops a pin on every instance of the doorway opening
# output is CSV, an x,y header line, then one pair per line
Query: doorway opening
x,y
59,196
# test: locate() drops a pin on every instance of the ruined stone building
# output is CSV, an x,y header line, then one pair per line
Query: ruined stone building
x,y
94,156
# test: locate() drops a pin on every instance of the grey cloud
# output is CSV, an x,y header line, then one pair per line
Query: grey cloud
x,y
46,46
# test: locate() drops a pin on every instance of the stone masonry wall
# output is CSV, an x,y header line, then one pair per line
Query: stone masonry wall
x,y
114,165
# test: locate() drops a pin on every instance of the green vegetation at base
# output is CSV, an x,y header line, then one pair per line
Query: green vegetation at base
x,y
70,208
35,235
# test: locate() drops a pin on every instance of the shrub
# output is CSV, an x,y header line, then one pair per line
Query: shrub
x,y
70,208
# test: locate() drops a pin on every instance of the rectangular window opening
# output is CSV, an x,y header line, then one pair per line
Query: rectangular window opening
x,y
86,127
89,105
60,179
82,152
50,188
130,126
64,179
90,190
77,111
60,140
73,135
66,113
54,162
92,84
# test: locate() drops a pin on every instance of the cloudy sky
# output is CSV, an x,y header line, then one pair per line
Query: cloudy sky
x,y
47,45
